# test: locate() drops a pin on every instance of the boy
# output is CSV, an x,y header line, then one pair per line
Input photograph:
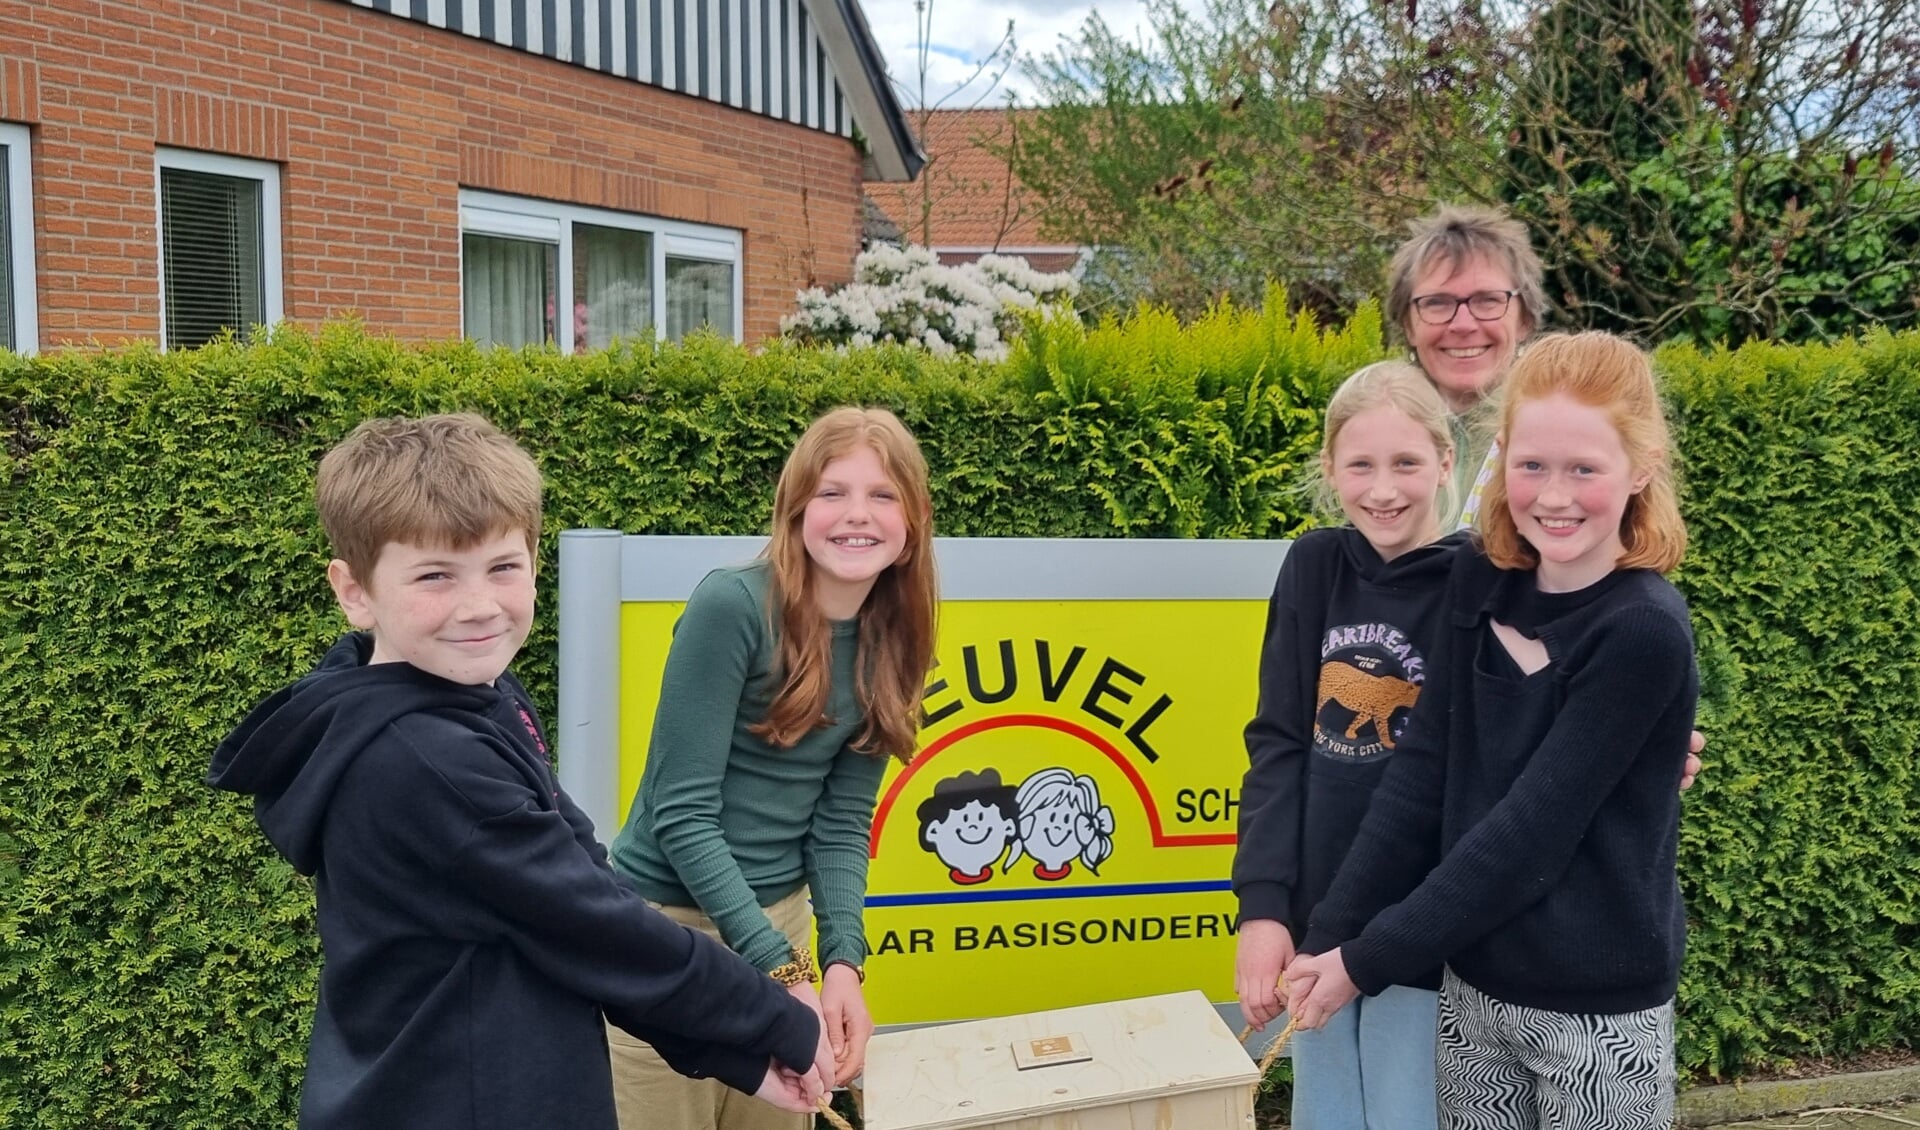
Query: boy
x,y
473,932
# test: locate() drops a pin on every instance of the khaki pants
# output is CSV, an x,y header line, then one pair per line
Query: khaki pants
x,y
649,1095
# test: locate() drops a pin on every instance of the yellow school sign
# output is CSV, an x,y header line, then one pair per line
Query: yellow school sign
x,y
1065,833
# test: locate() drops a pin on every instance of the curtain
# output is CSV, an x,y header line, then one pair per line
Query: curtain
x,y
507,289
612,286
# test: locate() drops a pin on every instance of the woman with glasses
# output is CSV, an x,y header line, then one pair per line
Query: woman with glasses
x,y
1464,291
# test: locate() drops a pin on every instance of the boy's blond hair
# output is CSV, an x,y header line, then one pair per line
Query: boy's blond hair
x,y
452,480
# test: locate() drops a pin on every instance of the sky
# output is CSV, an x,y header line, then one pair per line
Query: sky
x,y
966,31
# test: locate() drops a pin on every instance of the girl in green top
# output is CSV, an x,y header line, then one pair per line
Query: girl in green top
x,y
789,682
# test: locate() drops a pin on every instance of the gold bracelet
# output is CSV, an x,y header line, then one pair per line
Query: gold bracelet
x,y
798,970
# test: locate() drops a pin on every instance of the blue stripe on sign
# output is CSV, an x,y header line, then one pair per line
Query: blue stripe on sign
x,y
1109,890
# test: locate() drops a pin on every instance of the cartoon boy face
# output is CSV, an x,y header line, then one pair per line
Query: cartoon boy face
x,y
971,838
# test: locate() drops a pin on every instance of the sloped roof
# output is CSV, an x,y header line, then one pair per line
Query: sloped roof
x,y
893,155
966,196
737,53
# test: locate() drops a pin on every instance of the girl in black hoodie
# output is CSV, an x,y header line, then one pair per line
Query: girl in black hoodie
x,y
1353,618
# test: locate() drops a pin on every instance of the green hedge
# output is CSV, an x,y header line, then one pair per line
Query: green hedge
x,y
160,569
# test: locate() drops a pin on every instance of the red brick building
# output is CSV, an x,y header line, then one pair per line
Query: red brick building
x,y
967,202
435,167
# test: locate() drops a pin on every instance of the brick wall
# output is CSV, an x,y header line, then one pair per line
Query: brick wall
x,y
376,123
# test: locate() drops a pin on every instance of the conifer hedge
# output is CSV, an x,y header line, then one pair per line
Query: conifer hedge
x,y
160,569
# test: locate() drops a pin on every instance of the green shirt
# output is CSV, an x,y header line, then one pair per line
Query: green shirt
x,y
729,824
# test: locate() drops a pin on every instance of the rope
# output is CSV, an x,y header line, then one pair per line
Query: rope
x,y
832,1116
1274,1049
1279,1042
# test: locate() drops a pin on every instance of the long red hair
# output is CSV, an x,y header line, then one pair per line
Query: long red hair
x,y
896,622
1610,373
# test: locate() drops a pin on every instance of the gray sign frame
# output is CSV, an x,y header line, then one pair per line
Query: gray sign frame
x,y
602,569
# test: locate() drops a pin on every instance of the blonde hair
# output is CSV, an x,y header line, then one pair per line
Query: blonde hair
x,y
895,649
1612,374
451,480
1454,236
1397,384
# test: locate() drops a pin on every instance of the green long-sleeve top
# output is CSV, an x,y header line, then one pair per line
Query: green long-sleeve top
x,y
725,822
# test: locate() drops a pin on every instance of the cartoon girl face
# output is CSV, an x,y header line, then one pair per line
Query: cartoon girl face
x,y
971,838
1049,830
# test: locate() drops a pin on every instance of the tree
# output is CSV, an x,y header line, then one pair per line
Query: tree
x,y
1703,169
1723,171
939,181
1251,140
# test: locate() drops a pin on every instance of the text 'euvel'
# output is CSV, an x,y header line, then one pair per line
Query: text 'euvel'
x,y
1104,694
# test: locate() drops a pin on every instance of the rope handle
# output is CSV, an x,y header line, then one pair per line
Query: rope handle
x,y
832,1116
1279,1042
1274,1049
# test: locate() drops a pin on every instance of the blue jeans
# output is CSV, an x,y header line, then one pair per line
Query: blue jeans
x,y
1371,1067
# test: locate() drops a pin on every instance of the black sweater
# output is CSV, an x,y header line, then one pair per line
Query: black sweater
x,y
1344,658
472,930
1554,796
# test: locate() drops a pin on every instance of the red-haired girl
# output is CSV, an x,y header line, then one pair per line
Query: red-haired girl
x,y
790,681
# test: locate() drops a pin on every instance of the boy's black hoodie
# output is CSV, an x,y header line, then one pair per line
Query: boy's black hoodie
x,y
473,932
1347,640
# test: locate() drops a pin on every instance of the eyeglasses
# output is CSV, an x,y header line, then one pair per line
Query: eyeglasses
x,y
1485,306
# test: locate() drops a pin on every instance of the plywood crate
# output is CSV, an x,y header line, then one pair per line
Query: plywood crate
x,y
1151,1063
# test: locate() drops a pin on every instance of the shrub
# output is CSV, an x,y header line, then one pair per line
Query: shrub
x,y
906,296
160,570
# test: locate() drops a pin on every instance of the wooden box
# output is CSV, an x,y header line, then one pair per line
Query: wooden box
x,y
1152,1063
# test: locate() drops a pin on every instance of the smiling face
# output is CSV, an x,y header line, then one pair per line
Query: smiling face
x,y
1387,472
1048,832
853,527
461,614
970,837
1568,482
1465,357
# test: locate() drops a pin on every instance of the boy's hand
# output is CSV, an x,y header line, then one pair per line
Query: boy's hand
x,y
789,1090
1318,987
823,1064
1263,951
848,1023
1695,744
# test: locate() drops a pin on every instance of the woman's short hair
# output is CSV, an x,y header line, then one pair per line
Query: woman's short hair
x,y
1454,236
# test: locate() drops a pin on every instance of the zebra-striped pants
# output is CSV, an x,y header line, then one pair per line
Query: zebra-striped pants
x,y
1502,1066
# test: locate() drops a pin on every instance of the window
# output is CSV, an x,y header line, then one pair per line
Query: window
x,y
699,286
219,246
19,318
618,275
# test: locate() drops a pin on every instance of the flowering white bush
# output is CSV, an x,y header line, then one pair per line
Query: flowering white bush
x,y
906,295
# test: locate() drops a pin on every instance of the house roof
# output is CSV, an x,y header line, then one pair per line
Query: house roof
x,y
814,65
966,199
893,154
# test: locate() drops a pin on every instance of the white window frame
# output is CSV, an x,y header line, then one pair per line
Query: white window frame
x,y
546,221
272,310
21,280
